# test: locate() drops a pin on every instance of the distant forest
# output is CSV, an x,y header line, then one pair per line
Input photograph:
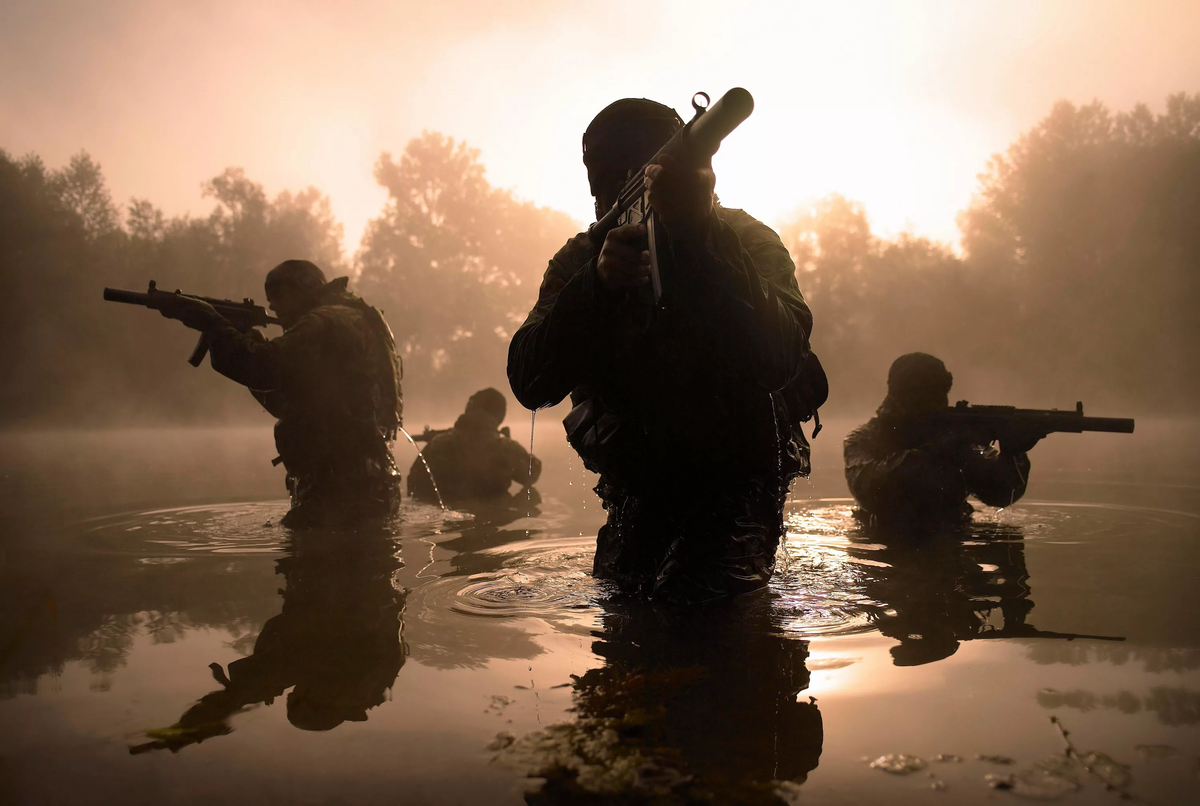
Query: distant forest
x,y
1079,277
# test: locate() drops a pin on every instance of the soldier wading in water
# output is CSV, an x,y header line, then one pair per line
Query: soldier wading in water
x,y
332,380
686,410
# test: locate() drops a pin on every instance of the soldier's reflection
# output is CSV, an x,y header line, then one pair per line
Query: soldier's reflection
x,y
708,701
336,644
960,584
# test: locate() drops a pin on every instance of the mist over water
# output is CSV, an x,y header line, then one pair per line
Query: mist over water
x,y
163,639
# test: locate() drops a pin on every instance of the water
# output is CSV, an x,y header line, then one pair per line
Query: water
x,y
162,639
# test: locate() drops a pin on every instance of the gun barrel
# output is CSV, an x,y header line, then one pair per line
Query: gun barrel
x,y
705,135
696,142
1112,425
127,297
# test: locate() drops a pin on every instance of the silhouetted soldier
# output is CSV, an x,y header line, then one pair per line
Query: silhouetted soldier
x,y
678,407
902,472
474,461
332,379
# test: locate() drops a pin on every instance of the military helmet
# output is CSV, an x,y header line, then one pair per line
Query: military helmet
x,y
303,275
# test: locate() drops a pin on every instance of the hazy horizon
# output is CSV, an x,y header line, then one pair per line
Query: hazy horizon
x,y
897,107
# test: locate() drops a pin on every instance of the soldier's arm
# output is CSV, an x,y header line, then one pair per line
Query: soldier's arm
x,y
996,478
883,479
264,365
745,280
552,349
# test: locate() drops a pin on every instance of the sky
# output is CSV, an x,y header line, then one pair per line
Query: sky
x,y
896,105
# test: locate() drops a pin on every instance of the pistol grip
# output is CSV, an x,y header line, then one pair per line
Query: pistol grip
x,y
199,351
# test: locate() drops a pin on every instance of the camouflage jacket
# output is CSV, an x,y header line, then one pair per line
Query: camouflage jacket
x,y
689,388
332,379
894,480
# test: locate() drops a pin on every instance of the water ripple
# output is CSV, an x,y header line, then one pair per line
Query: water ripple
x,y
246,528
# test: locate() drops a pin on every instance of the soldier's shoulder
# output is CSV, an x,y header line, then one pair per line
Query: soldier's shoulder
x,y
867,431
748,228
574,254
336,314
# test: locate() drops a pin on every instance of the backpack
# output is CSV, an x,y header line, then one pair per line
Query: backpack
x,y
807,392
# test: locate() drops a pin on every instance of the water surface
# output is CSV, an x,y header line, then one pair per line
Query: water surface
x,y
162,639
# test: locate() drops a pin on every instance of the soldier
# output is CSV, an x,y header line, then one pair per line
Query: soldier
x,y
901,473
679,408
474,460
332,380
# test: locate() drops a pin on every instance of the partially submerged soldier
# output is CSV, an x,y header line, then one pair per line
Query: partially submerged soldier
x,y
474,460
332,380
680,408
902,473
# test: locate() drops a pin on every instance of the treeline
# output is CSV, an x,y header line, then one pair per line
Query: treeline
x,y
453,262
1078,278
1080,274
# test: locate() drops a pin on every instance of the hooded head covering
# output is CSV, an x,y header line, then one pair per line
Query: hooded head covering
x,y
624,136
917,382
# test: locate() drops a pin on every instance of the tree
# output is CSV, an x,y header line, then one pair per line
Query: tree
x,y
1090,219
69,357
874,299
455,263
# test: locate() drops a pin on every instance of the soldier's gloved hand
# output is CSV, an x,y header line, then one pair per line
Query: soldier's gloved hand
x,y
195,313
682,197
1020,441
624,261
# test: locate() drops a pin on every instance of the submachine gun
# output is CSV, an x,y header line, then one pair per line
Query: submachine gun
x,y
243,315
692,145
988,423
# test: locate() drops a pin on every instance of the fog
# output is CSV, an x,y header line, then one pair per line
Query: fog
x,y
1010,186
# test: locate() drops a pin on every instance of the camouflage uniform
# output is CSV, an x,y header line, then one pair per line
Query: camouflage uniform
x,y
680,409
333,380
472,462
899,477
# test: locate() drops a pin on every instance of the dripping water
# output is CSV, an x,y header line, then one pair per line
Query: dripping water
x,y
529,477
421,456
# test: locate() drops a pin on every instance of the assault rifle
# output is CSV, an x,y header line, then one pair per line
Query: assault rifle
x,y
430,434
988,423
243,315
692,145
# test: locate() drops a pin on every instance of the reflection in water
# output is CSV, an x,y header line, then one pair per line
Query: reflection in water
x,y
699,705
667,706
336,643
1172,705
962,583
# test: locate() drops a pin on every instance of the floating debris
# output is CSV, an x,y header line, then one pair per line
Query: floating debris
x,y
589,751
1006,760
898,764
1113,773
938,786
499,703
1157,750
946,758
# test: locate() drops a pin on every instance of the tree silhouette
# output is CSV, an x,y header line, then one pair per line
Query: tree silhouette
x,y
455,263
